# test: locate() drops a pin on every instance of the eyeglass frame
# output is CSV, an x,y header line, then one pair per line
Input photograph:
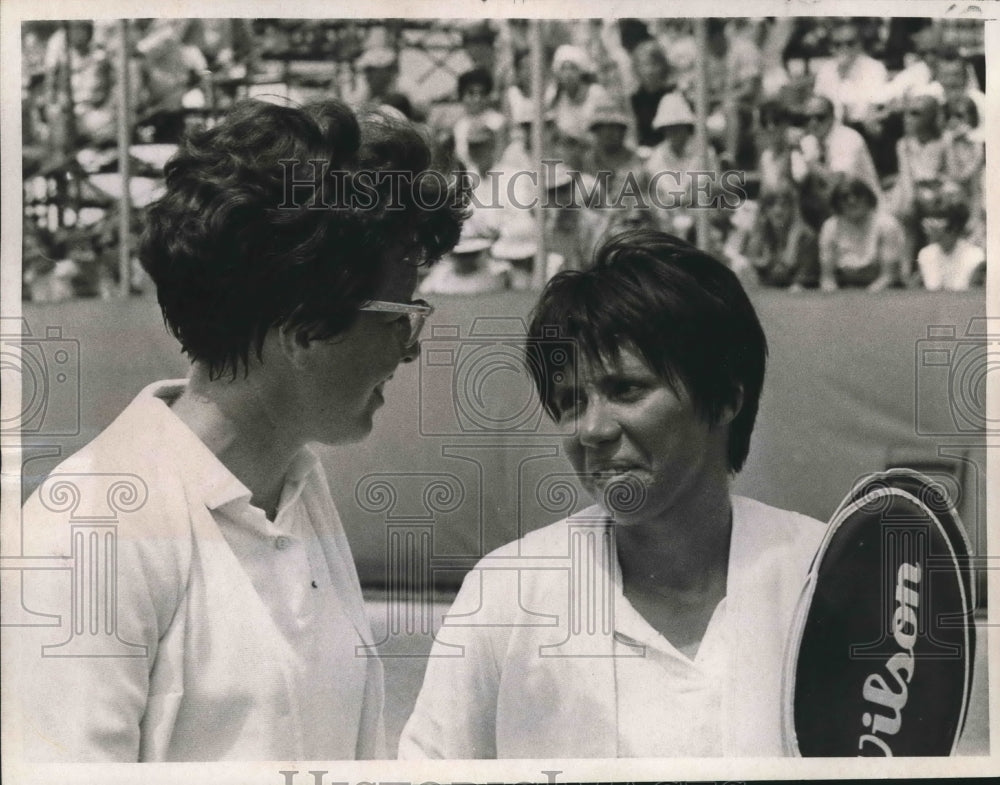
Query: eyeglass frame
x,y
416,312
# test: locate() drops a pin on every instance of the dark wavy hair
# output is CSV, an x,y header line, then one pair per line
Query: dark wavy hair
x,y
476,76
682,310
847,187
278,216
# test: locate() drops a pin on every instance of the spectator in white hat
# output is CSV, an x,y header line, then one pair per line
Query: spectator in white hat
x,y
469,269
517,246
610,159
673,162
575,93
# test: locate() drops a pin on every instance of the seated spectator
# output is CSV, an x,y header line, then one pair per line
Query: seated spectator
x,y
826,154
956,79
782,248
734,72
481,158
474,90
573,149
671,163
517,96
652,73
609,158
171,73
775,163
519,153
478,39
950,261
573,96
921,157
571,230
854,82
517,246
917,76
916,79
860,245
677,41
90,80
379,66
468,269
964,148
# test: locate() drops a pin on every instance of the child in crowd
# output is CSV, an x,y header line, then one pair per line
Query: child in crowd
x,y
950,261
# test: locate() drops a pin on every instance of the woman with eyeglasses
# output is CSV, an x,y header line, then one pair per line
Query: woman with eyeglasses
x,y
285,266
860,245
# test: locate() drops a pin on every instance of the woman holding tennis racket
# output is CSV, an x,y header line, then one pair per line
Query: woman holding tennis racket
x,y
653,623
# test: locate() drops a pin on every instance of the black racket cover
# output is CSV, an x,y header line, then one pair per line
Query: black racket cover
x,y
879,659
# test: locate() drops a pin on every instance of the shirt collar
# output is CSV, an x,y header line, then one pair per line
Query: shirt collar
x,y
204,473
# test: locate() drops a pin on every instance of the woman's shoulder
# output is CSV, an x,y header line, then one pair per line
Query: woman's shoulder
x,y
551,540
775,520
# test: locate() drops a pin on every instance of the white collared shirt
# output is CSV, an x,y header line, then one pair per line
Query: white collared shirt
x,y
255,630
684,719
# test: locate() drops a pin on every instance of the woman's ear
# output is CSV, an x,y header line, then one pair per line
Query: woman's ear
x,y
292,342
728,412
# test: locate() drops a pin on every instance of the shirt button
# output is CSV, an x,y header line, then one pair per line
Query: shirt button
x,y
282,542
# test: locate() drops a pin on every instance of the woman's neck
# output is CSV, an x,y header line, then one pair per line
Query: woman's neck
x,y
683,552
231,419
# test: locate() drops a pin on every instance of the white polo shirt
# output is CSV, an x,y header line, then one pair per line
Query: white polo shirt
x,y
255,631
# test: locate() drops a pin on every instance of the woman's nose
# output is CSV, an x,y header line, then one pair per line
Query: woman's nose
x,y
598,424
411,352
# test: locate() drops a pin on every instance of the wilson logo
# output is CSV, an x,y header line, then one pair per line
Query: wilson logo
x,y
885,718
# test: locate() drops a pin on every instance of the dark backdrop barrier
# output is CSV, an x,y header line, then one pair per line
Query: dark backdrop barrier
x,y
461,459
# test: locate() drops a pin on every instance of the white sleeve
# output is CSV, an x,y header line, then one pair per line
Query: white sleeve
x,y
82,684
455,713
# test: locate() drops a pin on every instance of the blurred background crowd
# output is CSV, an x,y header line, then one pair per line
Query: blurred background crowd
x,y
828,153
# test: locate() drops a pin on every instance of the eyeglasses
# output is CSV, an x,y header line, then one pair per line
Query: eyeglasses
x,y
416,312
843,44
820,117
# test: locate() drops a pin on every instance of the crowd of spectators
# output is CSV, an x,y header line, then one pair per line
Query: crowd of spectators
x,y
840,152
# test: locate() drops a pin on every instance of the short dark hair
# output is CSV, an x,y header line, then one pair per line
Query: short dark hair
x,y
477,76
235,250
851,186
681,309
774,112
956,213
964,103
